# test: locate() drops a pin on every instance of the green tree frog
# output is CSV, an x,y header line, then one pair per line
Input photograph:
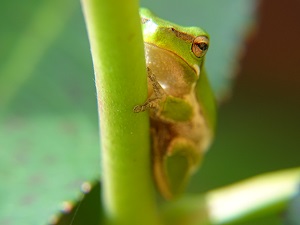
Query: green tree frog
x,y
180,101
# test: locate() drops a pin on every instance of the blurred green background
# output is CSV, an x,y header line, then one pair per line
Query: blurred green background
x,y
49,140
259,127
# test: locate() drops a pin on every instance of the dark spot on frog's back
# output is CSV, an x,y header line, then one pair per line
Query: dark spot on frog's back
x,y
182,35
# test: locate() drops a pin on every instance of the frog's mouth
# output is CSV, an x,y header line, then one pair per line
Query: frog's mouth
x,y
196,68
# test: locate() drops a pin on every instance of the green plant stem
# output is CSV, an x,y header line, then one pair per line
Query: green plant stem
x,y
262,195
118,55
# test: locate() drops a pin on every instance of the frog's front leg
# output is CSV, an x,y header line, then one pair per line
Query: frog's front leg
x,y
159,94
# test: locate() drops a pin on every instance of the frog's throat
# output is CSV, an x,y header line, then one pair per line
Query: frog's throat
x,y
195,67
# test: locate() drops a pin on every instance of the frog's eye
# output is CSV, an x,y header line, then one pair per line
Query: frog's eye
x,y
200,46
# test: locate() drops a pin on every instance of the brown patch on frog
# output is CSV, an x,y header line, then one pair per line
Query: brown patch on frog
x,y
182,35
144,20
162,134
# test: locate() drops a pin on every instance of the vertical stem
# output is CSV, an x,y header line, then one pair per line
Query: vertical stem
x,y
118,55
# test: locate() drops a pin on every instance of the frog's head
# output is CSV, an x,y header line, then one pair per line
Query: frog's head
x,y
188,43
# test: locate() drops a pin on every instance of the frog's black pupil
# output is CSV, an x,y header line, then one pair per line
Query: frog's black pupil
x,y
203,46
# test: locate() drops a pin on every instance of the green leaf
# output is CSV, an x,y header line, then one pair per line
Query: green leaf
x,y
49,128
87,211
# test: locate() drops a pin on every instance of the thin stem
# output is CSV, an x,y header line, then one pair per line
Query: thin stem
x,y
261,195
118,55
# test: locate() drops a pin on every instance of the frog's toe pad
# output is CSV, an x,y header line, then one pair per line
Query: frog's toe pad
x,y
138,108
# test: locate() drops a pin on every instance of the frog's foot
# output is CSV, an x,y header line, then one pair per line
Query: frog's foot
x,y
178,164
150,103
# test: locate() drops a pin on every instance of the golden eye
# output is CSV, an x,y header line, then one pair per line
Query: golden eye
x,y
200,46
